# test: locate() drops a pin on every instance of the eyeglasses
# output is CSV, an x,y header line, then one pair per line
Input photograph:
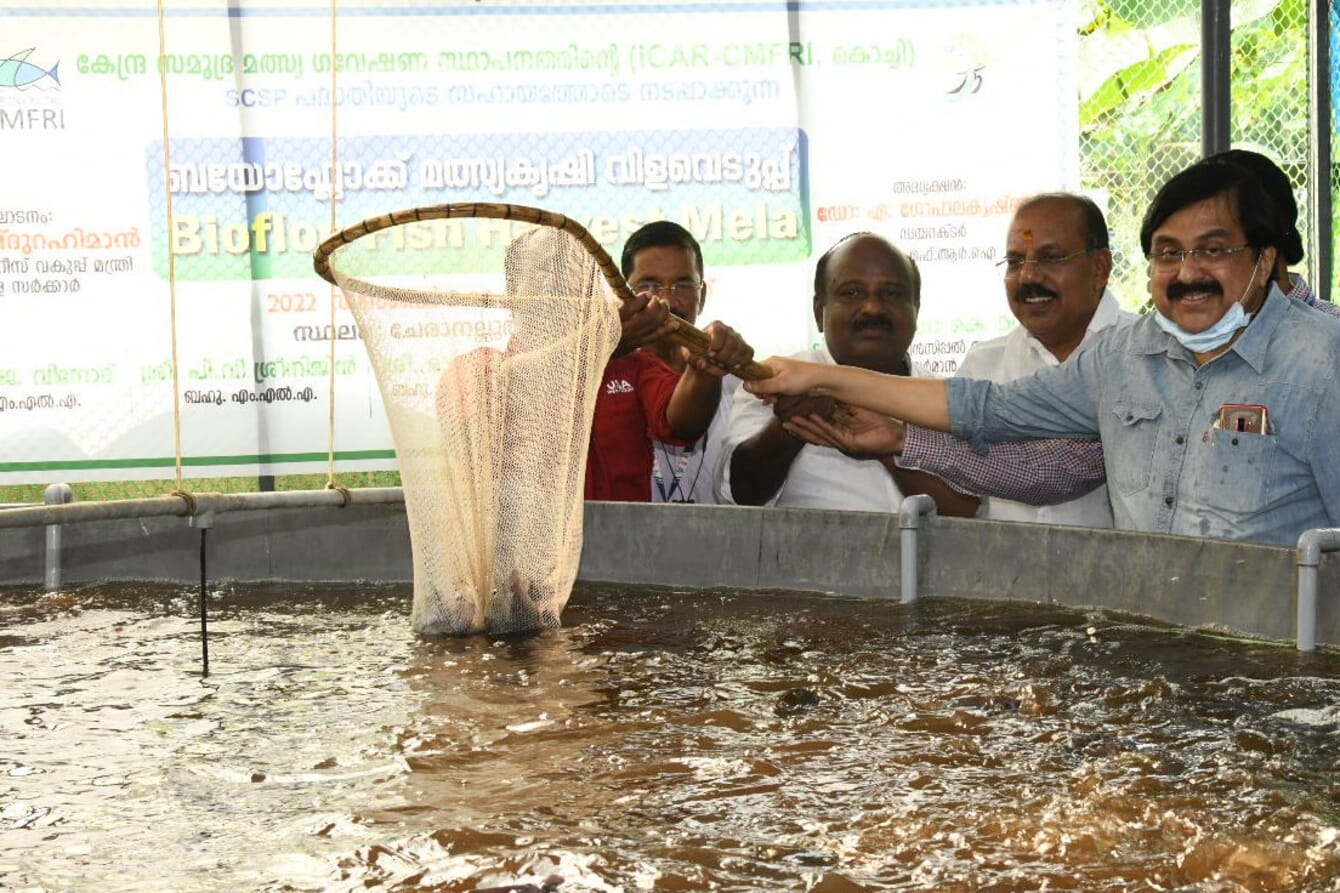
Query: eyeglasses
x,y
1013,267
675,290
1172,258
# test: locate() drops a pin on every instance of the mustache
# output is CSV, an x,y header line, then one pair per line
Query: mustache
x,y
872,322
1178,289
1033,290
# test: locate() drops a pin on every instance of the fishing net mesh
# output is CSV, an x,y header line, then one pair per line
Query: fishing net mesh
x,y
490,394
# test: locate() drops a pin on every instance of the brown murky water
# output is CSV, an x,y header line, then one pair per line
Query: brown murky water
x,y
662,741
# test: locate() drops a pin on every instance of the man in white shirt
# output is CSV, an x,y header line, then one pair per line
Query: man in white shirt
x,y
866,297
1056,267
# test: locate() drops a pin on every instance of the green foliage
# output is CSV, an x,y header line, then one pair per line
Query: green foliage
x,y
1141,123
1133,83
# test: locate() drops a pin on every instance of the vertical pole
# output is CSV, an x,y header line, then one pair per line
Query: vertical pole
x,y
204,521
1321,114
1312,545
1305,621
204,610
907,551
1216,121
56,494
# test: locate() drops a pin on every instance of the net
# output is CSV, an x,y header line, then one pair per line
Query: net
x,y
489,389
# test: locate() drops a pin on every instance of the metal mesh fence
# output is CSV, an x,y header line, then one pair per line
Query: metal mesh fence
x,y
1333,123
1140,106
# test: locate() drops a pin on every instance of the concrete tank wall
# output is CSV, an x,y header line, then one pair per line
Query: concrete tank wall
x,y
1190,582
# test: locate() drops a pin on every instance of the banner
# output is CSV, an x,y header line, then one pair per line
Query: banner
x,y
768,133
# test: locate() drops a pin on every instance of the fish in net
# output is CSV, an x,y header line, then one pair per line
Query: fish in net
x,y
489,392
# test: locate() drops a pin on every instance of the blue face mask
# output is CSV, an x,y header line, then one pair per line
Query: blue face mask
x,y
1215,336
1221,332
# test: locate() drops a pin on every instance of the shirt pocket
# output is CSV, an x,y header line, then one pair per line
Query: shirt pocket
x,y
1235,470
1132,459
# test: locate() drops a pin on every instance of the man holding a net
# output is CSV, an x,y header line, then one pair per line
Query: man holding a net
x,y
663,259
490,396
642,400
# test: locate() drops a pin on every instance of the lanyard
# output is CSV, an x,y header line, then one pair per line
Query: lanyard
x,y
676,475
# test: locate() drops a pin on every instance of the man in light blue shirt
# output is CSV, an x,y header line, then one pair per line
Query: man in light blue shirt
x,y
1219,414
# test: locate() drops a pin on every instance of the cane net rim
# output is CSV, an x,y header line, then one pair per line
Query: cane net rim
x,y
325,262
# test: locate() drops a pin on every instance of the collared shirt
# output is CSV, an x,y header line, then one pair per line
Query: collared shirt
x,y
1034,472
1015,355
820,477
688,473
1169,469
1300,291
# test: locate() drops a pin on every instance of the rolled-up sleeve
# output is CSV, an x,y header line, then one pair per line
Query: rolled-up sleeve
x,y
1054,402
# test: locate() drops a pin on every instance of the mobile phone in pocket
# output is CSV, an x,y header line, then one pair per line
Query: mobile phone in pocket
x,y
1249,418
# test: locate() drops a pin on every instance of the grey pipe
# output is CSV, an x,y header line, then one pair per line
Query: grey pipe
x,y
56,494
194,504
1311,545
910,513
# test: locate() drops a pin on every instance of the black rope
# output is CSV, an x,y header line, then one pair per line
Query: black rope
x,y
204,611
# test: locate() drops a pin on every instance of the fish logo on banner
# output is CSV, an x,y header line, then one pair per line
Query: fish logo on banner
x,y
18,73
23,108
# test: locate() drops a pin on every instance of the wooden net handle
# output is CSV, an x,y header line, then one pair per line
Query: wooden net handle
x,y
689,336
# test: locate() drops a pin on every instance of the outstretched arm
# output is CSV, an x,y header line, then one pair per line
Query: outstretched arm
x,y
862,434
1037,472
921,401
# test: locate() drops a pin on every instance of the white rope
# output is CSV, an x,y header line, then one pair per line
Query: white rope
x,y
171,255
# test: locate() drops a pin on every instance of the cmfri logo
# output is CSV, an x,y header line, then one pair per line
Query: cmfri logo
x,y
17,72
25,108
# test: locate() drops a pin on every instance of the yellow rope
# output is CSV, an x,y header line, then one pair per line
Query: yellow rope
x,y
171,255
334,290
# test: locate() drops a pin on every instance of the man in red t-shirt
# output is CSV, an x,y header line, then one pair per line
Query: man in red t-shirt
x,y
643,400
